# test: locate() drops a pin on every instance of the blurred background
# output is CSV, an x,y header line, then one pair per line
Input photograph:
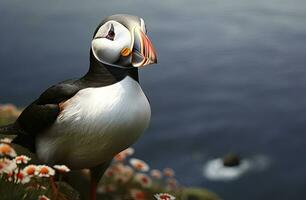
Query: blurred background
x,y
231,77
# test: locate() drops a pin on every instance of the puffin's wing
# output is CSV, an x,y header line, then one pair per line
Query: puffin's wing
x,y
43,112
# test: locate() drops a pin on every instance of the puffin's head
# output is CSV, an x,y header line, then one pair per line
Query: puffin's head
x,y
121,41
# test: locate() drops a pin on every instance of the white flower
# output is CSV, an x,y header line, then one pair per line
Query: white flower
x,y
7,150
114,169
168,172
6,140
61,168
124,175
106,189
22,159
164,196
139,165
43,197
7,166
44,171
143,180
30,170
171,184
129,151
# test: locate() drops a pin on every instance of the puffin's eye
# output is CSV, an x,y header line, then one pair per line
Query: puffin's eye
x,y
111,33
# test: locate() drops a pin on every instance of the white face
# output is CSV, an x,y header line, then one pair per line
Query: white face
x,y
111,38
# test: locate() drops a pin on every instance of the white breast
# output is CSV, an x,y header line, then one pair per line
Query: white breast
x,y
96,124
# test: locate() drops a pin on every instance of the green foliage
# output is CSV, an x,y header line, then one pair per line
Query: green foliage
x,y
10,190
198,194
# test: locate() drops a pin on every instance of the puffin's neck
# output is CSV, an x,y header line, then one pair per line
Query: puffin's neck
x,y
100,73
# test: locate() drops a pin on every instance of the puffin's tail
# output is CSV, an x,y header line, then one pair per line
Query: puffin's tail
x,y
9,130
22,139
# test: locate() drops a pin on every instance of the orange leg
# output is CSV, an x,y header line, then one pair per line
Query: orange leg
x,y
96,174
93,189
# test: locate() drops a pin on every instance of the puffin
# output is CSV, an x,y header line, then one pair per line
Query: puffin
x,y
83,123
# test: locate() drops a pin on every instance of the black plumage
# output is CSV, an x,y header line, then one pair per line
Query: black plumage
x,y
42,113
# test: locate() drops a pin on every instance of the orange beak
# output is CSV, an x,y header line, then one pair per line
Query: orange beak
x,y
143,52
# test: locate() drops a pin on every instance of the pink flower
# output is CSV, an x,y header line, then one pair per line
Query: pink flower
x,y
164,196
155,173
109,173
114,169
138,194
143,180
22,159
10,176
21,177
61,168
117,167
119,157
123,154
139,165
18,176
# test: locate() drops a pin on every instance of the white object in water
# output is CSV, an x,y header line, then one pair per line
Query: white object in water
x,y
215,170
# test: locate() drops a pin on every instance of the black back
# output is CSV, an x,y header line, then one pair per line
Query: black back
x,y
42,113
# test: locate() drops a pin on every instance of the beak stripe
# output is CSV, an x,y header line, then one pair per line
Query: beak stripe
x,y
146,49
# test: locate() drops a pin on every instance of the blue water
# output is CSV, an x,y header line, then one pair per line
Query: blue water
x,y
231,78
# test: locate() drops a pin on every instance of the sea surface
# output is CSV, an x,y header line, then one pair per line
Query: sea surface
x,y
231,77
